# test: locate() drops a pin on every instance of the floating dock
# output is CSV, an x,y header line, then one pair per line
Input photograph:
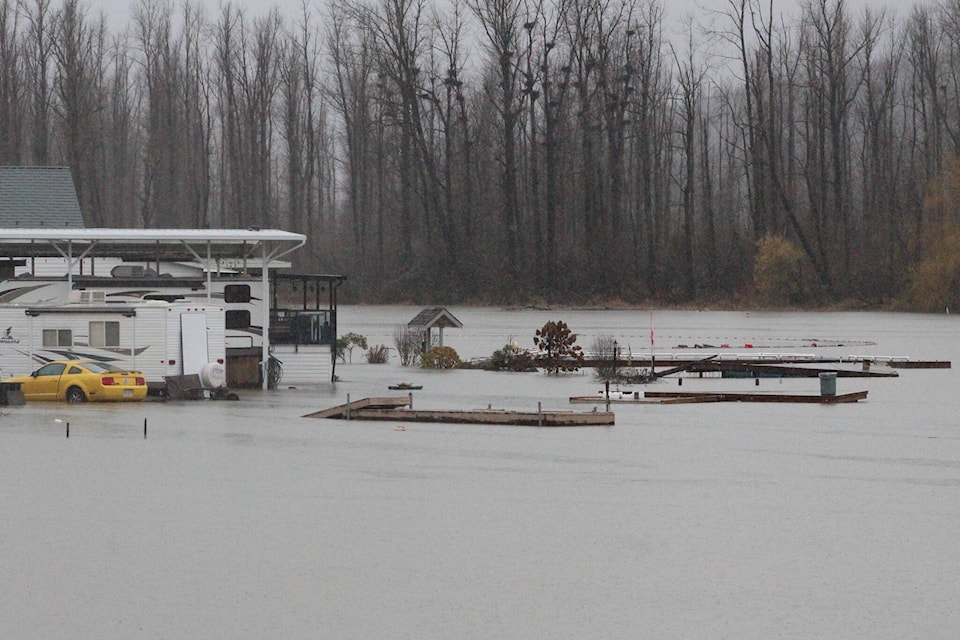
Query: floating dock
x,y
398,409
712,396
682,361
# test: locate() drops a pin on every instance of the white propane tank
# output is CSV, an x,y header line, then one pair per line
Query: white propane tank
x,y
213,375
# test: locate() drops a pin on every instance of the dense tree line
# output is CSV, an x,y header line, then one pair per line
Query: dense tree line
x,y
511,150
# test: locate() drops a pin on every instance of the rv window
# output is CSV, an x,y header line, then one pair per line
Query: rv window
x,y
236,293
57,338
238,319
105,334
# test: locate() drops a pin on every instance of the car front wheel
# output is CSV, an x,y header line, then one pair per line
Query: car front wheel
x,y
75,395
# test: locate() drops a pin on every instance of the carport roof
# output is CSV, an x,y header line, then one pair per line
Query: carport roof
x,y
148,244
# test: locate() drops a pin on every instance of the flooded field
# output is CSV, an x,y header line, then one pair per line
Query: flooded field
x,y
246,520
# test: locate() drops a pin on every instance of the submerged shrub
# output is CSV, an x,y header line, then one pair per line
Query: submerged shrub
x,y
511,358
440,358
558,348
410,344
346,344
379,354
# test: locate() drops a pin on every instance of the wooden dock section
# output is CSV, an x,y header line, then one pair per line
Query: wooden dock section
x,y
711,396
682,361
738,370
395,409
346,411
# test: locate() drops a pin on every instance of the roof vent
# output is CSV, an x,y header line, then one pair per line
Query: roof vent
x,y
85,296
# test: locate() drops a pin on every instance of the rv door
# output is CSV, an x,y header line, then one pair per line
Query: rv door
x,y
193,340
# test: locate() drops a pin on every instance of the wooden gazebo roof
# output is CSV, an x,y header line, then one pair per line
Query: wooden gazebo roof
x,y
434,317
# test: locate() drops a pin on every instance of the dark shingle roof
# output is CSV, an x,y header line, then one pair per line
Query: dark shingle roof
x,y
434,317
38,197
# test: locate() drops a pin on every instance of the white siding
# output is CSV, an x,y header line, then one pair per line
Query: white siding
x,y
148,331
15,343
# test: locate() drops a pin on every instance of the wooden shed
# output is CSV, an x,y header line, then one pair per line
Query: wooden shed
x,y
434,318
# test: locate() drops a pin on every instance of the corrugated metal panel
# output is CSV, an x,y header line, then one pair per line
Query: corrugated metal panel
x,y
38,197
304,364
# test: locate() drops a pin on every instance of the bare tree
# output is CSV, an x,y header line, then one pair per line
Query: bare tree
x,y
501,22
39,44
78,51
12,89
690,78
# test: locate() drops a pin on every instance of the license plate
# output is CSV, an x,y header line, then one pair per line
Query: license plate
x,y
128,393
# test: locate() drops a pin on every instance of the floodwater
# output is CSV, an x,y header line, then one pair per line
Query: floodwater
x,y
246,520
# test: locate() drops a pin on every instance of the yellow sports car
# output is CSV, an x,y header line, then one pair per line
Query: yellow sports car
x,y
81,380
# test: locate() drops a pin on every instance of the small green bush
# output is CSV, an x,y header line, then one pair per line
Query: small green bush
x,y
510,358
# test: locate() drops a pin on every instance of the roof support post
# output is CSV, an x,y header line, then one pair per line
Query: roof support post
x,y
68,255
265,317
209,283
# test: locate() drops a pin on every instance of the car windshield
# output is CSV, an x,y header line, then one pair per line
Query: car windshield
x,y
95,367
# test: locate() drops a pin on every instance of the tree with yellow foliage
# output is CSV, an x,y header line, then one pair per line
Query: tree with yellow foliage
x,y
934,280
776,270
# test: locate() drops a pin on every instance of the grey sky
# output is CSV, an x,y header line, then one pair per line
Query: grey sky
x,y
119,13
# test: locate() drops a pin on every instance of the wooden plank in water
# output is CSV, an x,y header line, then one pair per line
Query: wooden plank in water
x,y
625,398
340,411
754,370
697,396
491,416
919,364
383,411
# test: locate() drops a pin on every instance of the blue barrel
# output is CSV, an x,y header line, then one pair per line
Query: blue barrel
x,y
828,384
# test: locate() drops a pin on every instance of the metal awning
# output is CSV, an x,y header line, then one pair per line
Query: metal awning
x,y
165,245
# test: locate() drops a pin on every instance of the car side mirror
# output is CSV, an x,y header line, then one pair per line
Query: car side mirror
x,y
33,375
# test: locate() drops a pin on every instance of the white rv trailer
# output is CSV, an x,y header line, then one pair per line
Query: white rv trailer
x,y
241,295
257,331
157,338
301,339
